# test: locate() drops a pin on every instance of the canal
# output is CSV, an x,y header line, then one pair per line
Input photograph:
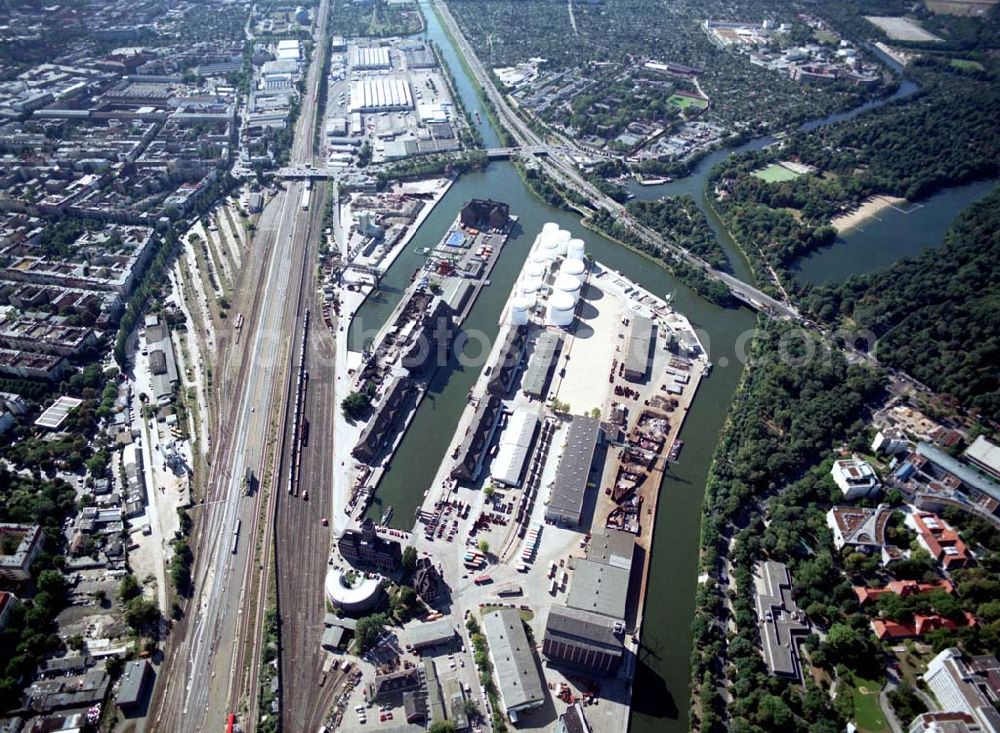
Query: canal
x,y
660,700
662,679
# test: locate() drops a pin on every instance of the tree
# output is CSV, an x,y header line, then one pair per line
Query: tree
x,y
355,405
484,546
442,726
368,630
128,589
142,614
409,558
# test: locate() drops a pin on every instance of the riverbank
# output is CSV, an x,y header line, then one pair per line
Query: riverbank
x,y
870,208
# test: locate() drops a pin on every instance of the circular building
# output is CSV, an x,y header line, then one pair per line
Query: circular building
x,y
352,592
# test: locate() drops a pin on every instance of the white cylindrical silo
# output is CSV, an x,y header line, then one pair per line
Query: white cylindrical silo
x,y
535,269
567,283
518,314
574,248
573,266
561,307
562,240
530,284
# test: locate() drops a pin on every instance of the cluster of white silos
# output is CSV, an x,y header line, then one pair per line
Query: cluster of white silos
x,y
555,251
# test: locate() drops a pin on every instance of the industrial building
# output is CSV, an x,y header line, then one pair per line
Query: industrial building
x,y
519,682
135,686
369,58
782,624
514,448
566,501
584,640
485,214
638,337
599,588
985,456
536,377
431,633
381,95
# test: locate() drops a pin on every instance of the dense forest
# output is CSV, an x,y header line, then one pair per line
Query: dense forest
x,y
942,136
937,315
796,402
678,219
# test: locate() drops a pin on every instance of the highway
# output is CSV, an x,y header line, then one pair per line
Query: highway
x,y
212,658
557,164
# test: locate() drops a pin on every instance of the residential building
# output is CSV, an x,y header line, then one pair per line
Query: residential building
x,y
890,441
855,478
427,581
944,723
365,548
583,639
485,214
782,624
918,626
19,546
939,539
573,472
901,588
389,687
7,603
960,687
514,665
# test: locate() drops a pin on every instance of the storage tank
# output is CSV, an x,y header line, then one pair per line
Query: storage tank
x,y
562,239
567,283
573,266
574,248
530,284
535,269
561,307
519,308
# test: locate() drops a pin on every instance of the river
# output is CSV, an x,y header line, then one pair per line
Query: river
x,y
893,234
662,684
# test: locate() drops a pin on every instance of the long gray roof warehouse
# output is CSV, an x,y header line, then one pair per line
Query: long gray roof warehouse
x,y
637,342
566,500
521,686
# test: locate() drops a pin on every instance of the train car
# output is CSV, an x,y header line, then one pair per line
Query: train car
x,y
231,724
236,537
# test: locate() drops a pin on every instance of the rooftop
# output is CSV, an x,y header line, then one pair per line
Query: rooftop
x,y
520,685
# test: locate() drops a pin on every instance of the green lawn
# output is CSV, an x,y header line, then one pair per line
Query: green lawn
x,y
967,64
775,173
867,713
684,102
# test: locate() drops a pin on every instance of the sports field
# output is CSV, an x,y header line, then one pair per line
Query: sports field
x,y
776,173
684,102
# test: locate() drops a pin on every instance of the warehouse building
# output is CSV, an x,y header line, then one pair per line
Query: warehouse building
x,y
381,95
536,376
369,58
514,448
521,687
638,337
566,500
582,639
431,634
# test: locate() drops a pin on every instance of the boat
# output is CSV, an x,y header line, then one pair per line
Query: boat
x,y
486,282
479,120
708,368
675,449
387,515
423,250
654,181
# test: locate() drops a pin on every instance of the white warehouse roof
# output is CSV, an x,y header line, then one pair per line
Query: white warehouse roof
x,y
513,450
380,94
